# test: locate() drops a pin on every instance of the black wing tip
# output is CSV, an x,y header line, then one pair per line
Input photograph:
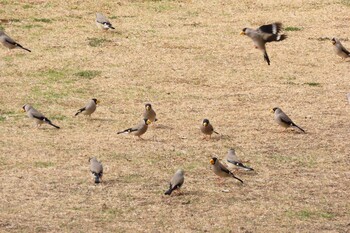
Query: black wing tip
x,y
168,192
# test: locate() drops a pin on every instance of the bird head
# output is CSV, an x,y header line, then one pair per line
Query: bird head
x,y
213,160
96,101
334,40
243,31
24,108
147,121
274,110
205,122
148,107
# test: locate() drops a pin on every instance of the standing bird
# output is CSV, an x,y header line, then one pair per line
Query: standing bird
x,y
37,116
264,34
221,170
339,49
233,161
10,43
176,181
102,22
139,129
149,113
283,120
89,108
207,128
96,169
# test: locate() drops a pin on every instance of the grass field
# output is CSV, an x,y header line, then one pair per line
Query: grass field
x,y
187,59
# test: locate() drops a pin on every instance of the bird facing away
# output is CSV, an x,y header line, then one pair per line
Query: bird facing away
x,y
283,120
10,43
37,116
264,34
96,169
149,113
139,129
207,128
221,170
176,181
89,108
233,161
102,22
339,49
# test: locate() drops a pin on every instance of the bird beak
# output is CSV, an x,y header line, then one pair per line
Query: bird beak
x,y
212,162
242,33
205,123
333,42
147,107
149,122
272,111
22,110
97,101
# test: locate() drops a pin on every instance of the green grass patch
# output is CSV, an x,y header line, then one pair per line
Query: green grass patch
x,y
96,42
313,84
292,29
46,93
2,28
2,118
42,164
44,20
88,74
58,117
345,2
27,6
30,26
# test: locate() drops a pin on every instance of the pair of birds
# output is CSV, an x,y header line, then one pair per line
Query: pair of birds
x,y
149,116
39,118
270,33
219,169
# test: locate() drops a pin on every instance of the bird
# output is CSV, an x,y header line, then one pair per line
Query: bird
x,y
220,170
96,169
37,116
149,113
102,22
283,120
339,49
139,129
232,161
207,128
10,43
264,34
176,181
89,108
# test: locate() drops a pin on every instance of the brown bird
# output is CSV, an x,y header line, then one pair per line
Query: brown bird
x,y
207,128
139,129
283,120
149,113
221,170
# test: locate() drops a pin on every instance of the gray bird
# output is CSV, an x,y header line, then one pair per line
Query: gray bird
x,y
89,108
10,43
207,128
102,22
233,161
37,116
139,129
283,120
149,113
264,34
339,49
176,181
96,169
220,170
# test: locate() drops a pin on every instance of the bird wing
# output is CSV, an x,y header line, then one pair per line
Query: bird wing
x,y
285,119
273,28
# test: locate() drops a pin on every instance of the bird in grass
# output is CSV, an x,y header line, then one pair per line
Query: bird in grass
x,y
89,108
10,43
102,22
149,113
207,128
264,34
38,117
96,169
176,181
220,170
339,49
283,120
233,161
139,129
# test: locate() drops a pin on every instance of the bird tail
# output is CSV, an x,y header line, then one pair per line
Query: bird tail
x,y
50,123
97,178
216,132
266,57
23,48
111,27
169,191
236,178
79,111
294,125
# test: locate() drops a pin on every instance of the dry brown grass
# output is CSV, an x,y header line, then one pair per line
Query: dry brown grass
x,y
188,60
